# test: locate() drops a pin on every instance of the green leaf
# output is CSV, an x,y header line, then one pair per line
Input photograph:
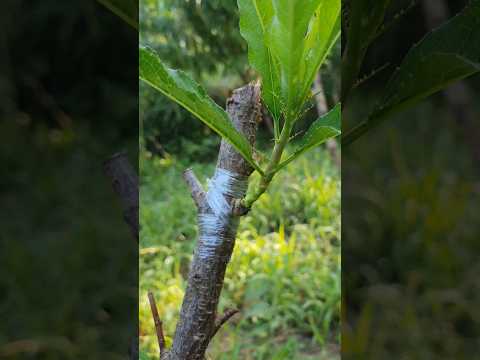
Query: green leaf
x,y
445,55
324,32
127,10
255,19
288,41
326,127
182,89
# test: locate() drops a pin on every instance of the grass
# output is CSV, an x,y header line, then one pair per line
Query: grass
x,y
284,275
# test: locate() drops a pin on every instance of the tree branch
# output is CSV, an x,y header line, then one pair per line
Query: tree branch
x,y
158,323
217,232
227,315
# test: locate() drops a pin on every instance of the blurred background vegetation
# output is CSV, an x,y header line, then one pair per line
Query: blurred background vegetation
x,y
68,264
410,195
285,272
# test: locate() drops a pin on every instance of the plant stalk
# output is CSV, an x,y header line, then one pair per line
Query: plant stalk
x,y
271,167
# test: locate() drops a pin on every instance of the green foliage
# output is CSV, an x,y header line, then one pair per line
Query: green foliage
x,y
288,41
289,69
322,129
287,249
445,55
185,37
253,28
179,87
213,52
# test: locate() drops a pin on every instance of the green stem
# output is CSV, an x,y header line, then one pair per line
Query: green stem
x,y
272,165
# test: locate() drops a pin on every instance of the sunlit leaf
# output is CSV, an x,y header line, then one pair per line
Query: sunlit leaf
x,y
324,32
326,127
127,10
288,41
255,20
180,88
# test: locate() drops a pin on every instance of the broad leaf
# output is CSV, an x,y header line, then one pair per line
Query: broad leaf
x,y
255,20
323,34
127,10
326,127
285,39
182,89
288,41
445,55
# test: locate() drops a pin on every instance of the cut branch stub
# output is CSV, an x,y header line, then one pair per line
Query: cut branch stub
x,y
196,188
217,231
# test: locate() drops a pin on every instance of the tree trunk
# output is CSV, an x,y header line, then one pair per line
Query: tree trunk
x,y
218,222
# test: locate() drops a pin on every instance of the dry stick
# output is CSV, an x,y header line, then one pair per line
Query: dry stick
x,y
216,240
158,323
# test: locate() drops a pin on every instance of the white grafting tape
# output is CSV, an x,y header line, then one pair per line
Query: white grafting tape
x,y
219,225
225,184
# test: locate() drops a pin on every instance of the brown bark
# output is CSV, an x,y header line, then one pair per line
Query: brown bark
x,y
218,224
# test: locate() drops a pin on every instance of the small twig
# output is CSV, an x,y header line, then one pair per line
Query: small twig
x,y
158,323
228,313
196,189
